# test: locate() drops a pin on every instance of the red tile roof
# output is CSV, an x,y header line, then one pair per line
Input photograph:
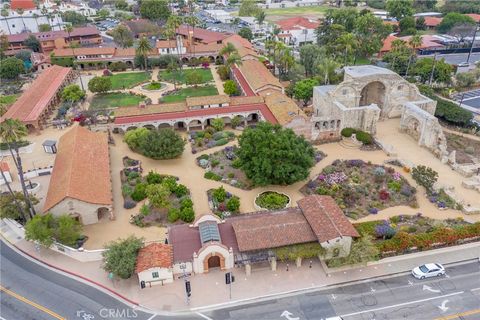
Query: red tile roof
x,y
238,41
34,100
474,16
325,218
432,22
247,90
84,51
81,170
205,36
272,229
52,35
154,255
22,4
428,42
387,43
267,114
297,23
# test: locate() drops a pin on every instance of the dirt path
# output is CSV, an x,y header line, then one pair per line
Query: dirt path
x,y
466,135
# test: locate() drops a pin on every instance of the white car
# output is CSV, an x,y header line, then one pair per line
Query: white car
x,y
428,270
464,64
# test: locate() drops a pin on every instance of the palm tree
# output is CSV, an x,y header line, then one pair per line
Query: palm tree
x,y
5,14
228,49
35,16
348,44
20,11
192,21
260,17
172,68
144,49
414,42
173,23
12,131
69,29
233,59
327,67
17,204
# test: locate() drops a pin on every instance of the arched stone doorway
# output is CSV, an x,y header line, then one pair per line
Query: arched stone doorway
x,y
374,92
413,127
103,213
213,261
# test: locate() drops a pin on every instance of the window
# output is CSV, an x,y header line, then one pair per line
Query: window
x,y
13,26
344,91
155,274
400,87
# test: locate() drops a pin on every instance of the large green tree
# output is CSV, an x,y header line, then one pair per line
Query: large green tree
x,y
32,43
75,18
249,8
162,144
122,36
461,6
100,84
442,71
14,206
120,257
309,54
246,33
454,18
155,9
41,229
399,9
72,93
230,88
304,90
158,195
143,49
11,68
270,154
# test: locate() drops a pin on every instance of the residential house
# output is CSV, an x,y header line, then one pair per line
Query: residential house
x,y
297,31
154,265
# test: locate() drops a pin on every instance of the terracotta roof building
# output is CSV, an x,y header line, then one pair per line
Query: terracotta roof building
x,y
259,78
474,16
38,101
201,35
22,4
154,265
432,22
81,183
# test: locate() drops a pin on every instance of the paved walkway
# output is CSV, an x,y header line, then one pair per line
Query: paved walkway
x,y
216,78
262,282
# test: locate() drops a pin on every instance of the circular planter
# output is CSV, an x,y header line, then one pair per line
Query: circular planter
x,y
143,88
259,208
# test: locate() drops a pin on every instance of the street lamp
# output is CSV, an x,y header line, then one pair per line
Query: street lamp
x,y
473,41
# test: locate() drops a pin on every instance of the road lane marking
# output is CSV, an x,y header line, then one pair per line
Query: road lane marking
x,y
33,304
458,315
153,316
402,304
203,316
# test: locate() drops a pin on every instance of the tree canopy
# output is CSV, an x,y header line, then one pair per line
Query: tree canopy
x,y
303,90
11,68
399,9
100,84
441,74
249,8
270,154
48,228
120,257
75,18
454,18
230,88
155,9
32,43
122,36
9,209
72,93
246,33
156,144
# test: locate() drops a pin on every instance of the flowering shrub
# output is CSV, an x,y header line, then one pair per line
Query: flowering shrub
x,y
355,163
385,230
373,210
336,178
396,176
384,195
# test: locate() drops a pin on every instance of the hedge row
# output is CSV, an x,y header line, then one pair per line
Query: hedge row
x,y
362,136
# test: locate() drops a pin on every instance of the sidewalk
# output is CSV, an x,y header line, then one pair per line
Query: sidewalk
x,y
210,289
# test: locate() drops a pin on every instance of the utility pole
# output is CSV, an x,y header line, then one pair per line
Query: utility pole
x,y
188,287
471,46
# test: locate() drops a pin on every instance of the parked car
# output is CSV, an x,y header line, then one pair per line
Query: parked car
x,y
428,270
464,64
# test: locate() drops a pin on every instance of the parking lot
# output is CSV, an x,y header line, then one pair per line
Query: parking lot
x,y
470,98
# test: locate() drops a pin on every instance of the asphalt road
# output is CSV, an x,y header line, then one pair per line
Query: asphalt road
x,y
32,292
401,297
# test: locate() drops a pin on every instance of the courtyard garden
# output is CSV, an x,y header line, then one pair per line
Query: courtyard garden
x,y
362,188
180,95
211,137
223,203
114,100
404,233
167,200
185,76
156,144
127,80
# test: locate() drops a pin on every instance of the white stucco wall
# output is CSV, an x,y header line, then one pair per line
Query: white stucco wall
x,y
165,275
341,243
212,249
87,211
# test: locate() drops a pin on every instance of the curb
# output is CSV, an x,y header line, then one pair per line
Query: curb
x,y
73,274
311,289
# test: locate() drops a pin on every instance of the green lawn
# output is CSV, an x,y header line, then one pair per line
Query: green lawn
x,y
114,100
127,80
182,94
8,100
281,13
181,75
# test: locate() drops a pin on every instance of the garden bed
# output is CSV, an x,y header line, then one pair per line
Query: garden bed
x,y
271,200
404,233
154,86
362,188
224,166
223,203
170,203
206,139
